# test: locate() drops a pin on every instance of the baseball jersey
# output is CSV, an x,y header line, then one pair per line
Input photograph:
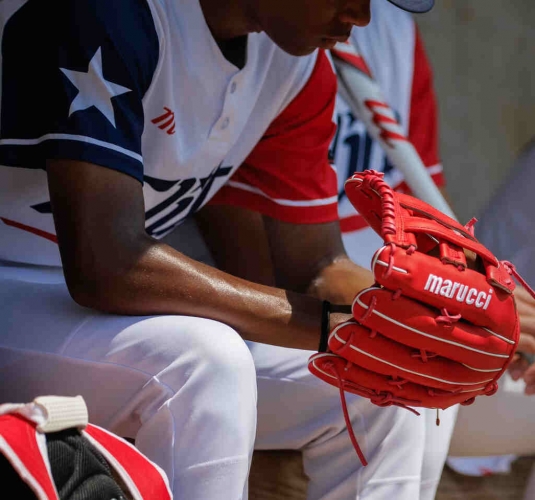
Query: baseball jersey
x,y
142,87
393,51
392,48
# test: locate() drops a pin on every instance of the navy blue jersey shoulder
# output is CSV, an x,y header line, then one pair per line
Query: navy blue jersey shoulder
x,y
74,73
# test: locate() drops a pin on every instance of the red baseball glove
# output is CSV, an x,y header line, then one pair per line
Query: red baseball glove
x,y
434,330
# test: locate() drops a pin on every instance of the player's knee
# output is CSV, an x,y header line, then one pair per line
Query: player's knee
x,y
205,347
178,349
225,351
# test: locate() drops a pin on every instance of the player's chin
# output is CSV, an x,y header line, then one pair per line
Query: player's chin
x,y
304,49
298,50
298,46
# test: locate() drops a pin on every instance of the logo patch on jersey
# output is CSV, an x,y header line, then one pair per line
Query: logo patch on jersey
x,y
166,121
354,150
179,199
182,198
448,288
94,89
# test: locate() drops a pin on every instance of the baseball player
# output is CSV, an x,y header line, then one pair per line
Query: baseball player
x,y
392,47
116,125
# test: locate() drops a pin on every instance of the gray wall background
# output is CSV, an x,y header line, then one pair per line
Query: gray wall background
x,y
483,57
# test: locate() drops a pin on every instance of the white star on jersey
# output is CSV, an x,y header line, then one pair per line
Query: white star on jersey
x,y
93,89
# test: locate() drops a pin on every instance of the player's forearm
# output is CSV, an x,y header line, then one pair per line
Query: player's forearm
x,y
156,279
111,264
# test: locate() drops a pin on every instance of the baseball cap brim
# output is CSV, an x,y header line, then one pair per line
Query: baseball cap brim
x,y
418,6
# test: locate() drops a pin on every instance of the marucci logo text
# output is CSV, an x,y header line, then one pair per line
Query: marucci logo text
x,y
448,288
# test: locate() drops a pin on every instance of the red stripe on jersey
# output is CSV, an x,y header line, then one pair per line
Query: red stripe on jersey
x,y
33,230
352,223
423,120
287,176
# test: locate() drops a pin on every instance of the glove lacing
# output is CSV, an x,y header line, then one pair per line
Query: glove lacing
x,y
389,229
376,398
511,269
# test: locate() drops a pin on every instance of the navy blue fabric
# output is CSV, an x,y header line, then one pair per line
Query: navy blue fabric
x,y
44,36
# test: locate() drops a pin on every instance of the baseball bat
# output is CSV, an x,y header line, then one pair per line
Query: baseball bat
x,y
363,94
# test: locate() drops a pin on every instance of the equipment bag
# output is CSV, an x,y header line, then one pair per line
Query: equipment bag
x,y
49,451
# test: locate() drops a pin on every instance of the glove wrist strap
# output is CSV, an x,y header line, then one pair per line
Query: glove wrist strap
x,y
325,324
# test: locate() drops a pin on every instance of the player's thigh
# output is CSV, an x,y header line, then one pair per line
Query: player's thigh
x,y
296,408
436,445
291,400
50,345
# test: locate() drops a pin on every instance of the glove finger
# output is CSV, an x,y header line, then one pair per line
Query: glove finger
x,y
413,323
380,389
382,355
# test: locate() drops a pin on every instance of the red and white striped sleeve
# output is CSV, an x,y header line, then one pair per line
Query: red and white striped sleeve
x,y
288,175
423,117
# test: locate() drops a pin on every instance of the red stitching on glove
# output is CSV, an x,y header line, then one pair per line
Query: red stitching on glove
x,y
470,225
390,260
389,399
386,194
371,307
424,355
491,389
398,382
447,318
341,386
468,401
511,269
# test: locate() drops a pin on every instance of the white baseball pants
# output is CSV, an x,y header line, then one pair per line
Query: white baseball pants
x,y
186,388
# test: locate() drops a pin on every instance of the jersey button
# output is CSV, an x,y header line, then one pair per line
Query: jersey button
x,y
225,123
233,87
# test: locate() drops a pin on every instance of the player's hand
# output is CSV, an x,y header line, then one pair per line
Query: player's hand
x,y
521,362
529,379
525,305
521,366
